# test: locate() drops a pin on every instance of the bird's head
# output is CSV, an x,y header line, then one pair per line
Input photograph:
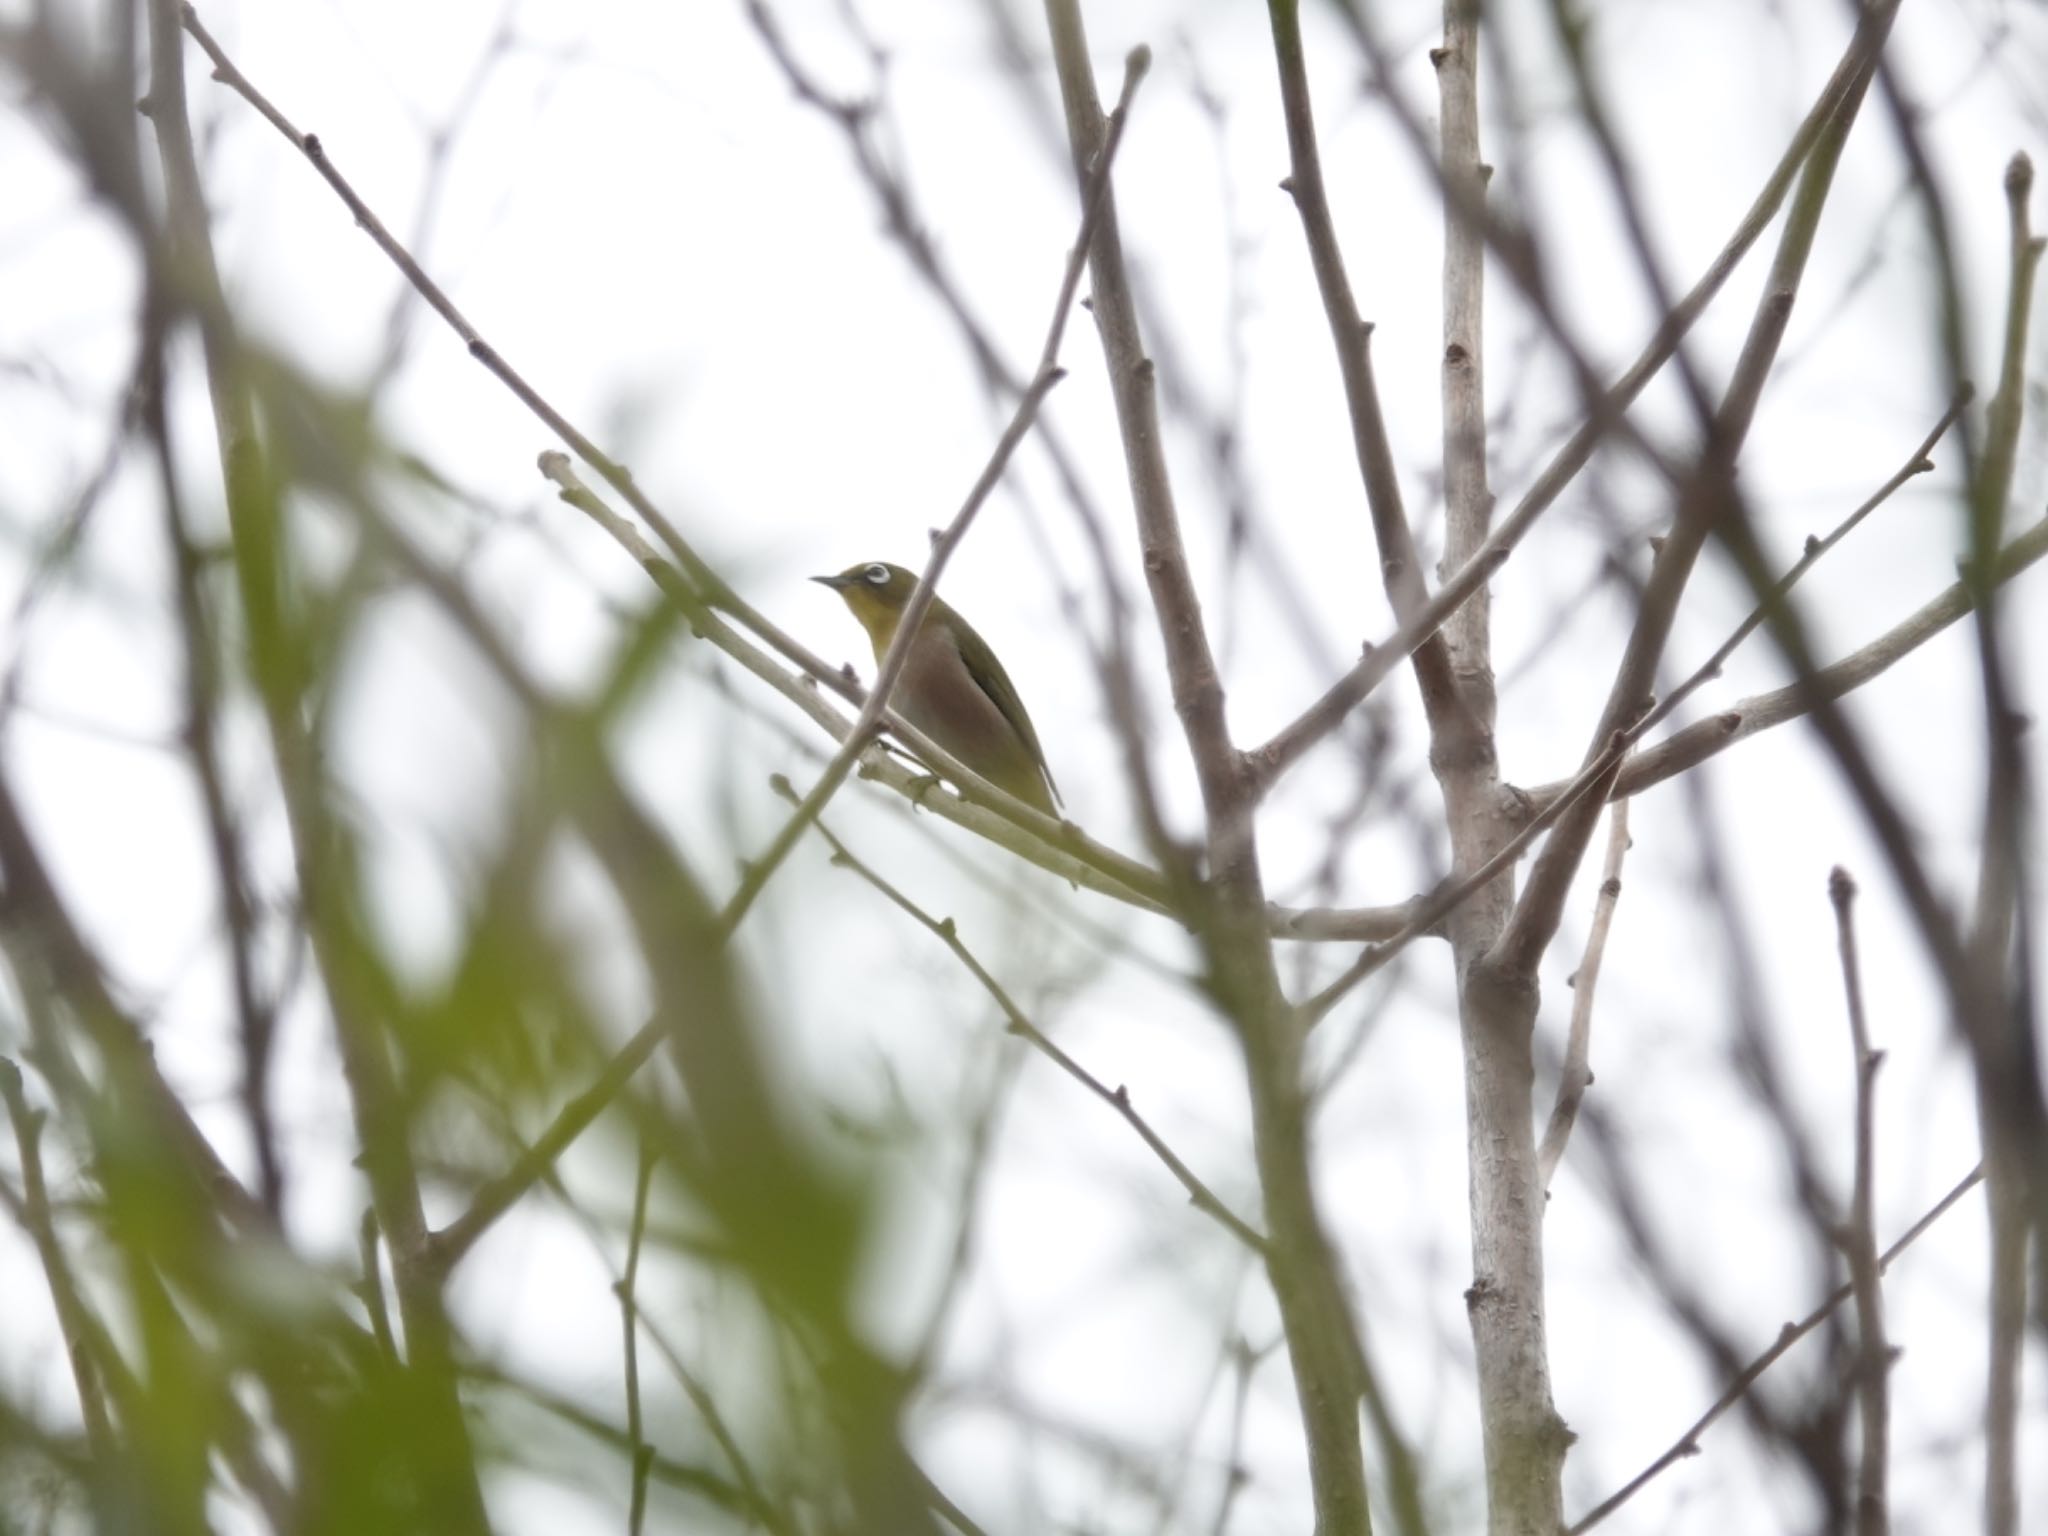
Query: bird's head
x,y
876,593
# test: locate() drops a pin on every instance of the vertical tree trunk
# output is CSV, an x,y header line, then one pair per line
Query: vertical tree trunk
x,y
1524,1438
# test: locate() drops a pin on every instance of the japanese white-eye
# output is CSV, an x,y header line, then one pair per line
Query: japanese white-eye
x,y
952,687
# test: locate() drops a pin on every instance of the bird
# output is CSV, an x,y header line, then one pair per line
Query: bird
x,y
952,687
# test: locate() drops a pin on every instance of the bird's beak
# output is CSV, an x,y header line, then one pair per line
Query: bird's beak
x,y
836,583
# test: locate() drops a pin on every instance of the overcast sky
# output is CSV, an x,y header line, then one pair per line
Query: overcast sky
x,y
636,212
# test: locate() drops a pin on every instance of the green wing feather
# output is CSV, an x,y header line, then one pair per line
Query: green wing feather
x,y
990,677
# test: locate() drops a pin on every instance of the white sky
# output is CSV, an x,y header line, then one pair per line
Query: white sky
x,y
644,223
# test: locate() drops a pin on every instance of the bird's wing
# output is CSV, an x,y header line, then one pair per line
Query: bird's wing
x,y
991,679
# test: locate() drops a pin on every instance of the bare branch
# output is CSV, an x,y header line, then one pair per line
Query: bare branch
x,y
1770,601
1289,745
1687,1444
639,1453
2007,1088
2008,405
1468,502
706,1485
1702,740
747,1493
1197,692
1710,499
1323,1343
1577,1076
1400,571
1858,1238
86,1345
1244,1360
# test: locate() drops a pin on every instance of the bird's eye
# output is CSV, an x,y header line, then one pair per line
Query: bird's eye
x,y
876,575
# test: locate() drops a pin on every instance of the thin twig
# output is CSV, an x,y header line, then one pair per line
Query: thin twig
x,y
1919,464
1858,1237
2007,1084
1596,122
639,1453
498,1194
86,1345
431,198
1705,738
976,1161
1577,1075
1019,1023
1687,1444
726,1495
758,1505
2008,405
1244,1360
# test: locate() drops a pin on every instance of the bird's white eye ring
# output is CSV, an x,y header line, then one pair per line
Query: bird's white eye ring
x,y
876,575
